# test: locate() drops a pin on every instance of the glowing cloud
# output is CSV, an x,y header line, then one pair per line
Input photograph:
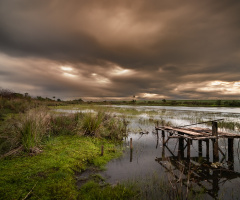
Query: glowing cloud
x,y
223,87
151,96
119,71
69,75
64,68
100,79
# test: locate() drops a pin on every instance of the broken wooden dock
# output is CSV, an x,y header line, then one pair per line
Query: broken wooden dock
x,y
203,173
200,134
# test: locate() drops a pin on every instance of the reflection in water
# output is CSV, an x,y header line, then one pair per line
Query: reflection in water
x,y
197,171
186,162
191,162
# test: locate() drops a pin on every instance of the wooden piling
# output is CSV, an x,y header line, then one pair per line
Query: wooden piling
x,y
188,148
131,146
131,149
157,140
131,155
163,133
215,141
207,149
230,148
163,137
181,147
230,153
200,148
214,129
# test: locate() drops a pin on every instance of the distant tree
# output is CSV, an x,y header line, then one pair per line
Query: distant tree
x,y
54,97
134,99
164,100
26,94
58,99
6,93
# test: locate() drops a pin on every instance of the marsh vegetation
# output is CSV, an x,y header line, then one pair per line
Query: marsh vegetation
x,y
46,145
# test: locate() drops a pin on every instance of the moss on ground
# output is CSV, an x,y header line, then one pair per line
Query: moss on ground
x,y
50,174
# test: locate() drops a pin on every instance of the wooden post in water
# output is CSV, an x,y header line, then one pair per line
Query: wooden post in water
x,y
156,128
215,183
102,150
207,149
230,153
163,133
215,141
131,154
163,137
180,147
200,148
131,149
157,135
188,149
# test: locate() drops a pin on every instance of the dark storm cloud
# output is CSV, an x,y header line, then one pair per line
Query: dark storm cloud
x,y
165,44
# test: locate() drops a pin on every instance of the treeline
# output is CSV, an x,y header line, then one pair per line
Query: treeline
x,y
196,103
14,103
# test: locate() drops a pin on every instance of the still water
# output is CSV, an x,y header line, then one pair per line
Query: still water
x,y
218,180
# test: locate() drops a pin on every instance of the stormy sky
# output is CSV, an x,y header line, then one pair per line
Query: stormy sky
x,y
109,49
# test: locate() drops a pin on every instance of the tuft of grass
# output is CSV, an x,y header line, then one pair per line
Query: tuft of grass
x,y
32,127
104,125
91,123
24,131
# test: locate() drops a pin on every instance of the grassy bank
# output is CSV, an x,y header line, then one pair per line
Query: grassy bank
x,y
41,151
50,174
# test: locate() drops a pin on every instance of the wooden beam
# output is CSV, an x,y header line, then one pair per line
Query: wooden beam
x,y
215,141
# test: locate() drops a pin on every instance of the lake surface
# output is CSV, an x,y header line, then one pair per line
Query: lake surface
x,y
218,179
150,156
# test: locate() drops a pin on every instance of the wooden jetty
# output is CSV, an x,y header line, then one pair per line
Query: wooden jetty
x,y
205,174
199,134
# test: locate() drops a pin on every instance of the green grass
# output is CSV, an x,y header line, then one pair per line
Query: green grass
x,y
50,175
27,131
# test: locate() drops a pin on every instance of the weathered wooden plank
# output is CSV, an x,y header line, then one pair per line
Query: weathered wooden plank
x,y
204,138
200,132
200,129
183,131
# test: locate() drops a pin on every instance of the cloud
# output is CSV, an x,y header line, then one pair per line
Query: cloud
x,y
119,48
